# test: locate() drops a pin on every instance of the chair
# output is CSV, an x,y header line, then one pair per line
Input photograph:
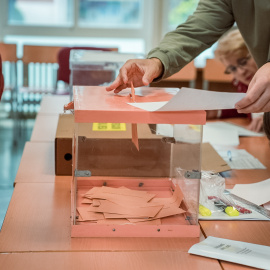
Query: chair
x,y
186,77
214,77
9,63
39,75
64,66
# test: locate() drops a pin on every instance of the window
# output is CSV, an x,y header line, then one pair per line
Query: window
x,y
40,12
133,26
111,13
179,10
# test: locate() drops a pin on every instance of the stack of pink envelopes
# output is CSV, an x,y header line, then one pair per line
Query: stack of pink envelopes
x,y
107,205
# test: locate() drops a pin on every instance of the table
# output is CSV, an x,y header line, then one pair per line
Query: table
x,y
259,147
256,232
36,230
52,104
45,128
37,164
150,260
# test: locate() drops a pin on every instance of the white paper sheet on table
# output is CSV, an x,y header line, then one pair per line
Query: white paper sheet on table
x,y
233,251
211,134
220,136
234,128
258,193
193,99
241,159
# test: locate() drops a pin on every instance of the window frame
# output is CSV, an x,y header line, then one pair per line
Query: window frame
x,y
150,31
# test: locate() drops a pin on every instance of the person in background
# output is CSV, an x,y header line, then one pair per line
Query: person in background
x,y
1,79
233,53
201,30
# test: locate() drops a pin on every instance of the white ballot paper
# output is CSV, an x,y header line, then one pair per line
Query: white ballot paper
x,y
217,136
234,128
258,193
233,251
188,99
240,159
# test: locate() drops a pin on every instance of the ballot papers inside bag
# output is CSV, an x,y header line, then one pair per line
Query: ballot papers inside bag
x,y
139,186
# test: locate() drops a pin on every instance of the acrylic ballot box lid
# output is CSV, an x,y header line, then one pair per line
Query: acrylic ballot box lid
x,y
95,104
109,60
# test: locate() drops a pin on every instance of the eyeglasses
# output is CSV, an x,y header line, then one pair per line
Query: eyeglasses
x,y
241,63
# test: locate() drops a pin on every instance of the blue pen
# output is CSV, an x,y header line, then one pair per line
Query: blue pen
x,y
229,154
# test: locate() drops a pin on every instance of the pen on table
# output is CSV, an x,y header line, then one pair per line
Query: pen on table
x,y
229,154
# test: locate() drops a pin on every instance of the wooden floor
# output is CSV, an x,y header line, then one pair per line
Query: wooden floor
x,y
12,143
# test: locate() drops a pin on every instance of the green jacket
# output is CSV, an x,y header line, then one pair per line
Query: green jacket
x,y
208,23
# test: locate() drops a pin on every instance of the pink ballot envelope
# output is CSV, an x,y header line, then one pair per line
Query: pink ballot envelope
x,y
135,139
132,92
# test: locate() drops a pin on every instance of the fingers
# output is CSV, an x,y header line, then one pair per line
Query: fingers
x,y
257,98
114,84
147,77
257,103
145,80
121,82
258,94
140,71
120,88
250,98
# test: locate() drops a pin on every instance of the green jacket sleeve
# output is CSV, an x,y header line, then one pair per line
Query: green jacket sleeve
x,y
211,19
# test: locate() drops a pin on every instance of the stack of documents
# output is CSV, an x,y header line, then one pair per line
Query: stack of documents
x,y
233,251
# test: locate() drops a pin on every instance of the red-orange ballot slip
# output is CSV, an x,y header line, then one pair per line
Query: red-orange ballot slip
x,y
132,92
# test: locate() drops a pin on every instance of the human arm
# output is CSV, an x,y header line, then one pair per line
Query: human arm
x,y
258,93
140,71
179,47
201,30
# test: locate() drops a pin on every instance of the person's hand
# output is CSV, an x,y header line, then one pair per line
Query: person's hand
x,y
256,124
139,71
258,93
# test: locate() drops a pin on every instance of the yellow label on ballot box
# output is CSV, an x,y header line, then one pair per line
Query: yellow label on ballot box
x,y
109,127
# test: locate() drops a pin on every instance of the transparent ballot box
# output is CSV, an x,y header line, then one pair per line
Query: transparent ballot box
x,y
135,173
93,67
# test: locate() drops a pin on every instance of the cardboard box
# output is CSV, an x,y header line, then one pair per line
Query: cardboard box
x,y
114,152
131,158
63,144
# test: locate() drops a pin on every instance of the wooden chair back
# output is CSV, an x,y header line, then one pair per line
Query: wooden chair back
x,y
8,52
213,72
40,54
187,73
9,68
185,77
38,63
